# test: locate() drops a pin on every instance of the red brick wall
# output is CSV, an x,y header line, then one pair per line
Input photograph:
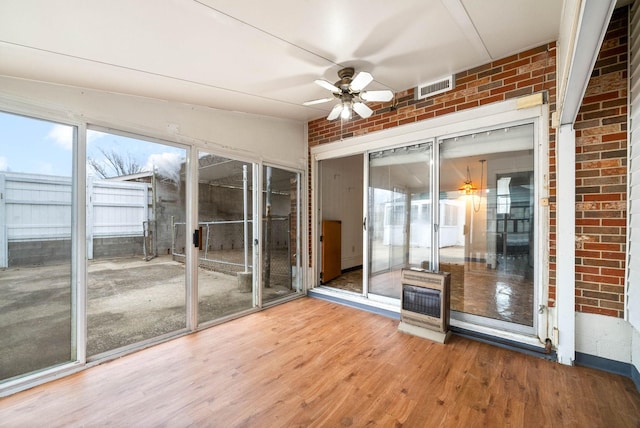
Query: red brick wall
x,y
601,151
518,75
601,178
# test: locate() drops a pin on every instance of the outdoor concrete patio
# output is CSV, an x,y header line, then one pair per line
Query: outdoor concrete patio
x,y
129,300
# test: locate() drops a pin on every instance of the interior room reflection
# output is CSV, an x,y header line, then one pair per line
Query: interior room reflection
x,y
485,230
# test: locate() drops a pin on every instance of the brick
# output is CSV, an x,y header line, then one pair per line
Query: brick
x,y
613,305
608,255
600,311
604,197
601,279
504,75
614,288
622,154
614,171
584,301
618,136
588,269
607,96
602,263
492,99
467,105
425,116
519,93
503,89
601,246
614,222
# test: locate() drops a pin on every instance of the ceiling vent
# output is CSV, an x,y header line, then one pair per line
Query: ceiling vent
x,y
433,88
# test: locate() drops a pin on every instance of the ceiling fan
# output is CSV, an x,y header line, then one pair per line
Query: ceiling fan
x,y
349,90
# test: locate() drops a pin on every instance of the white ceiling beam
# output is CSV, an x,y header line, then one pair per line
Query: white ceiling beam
x,y
583,48
461,17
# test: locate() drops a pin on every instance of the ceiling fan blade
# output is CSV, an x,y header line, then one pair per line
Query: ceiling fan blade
x,y
320,101
330,86
335,113
361,80
384,95
362,109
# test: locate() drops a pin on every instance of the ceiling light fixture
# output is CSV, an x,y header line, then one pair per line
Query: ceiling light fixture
x,y
468,189
345,114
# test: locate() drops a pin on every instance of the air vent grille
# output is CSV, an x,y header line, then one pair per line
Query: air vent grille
x,y
436,87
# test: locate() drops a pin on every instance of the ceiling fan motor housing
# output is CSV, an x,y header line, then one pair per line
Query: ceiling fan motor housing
x,y
346,76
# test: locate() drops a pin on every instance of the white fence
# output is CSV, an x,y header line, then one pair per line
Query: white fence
x,y
38,208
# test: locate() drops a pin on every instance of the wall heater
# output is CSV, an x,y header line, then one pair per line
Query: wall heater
x,y
424,304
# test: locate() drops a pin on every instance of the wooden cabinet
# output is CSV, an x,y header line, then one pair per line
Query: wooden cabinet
x,y
331,240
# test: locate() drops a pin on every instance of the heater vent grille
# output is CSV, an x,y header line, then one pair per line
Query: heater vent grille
x,y
433,88
421,300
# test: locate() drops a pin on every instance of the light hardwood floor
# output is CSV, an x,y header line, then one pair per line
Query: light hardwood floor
x,y
314,363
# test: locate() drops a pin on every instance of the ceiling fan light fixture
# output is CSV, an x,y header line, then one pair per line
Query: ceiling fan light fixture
x,y
345,114
349,90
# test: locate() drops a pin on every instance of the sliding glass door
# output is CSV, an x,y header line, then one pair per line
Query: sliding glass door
x,y
281,269
487,226
225,236
37,313
136,212
399,215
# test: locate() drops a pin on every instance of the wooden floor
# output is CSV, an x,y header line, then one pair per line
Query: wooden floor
x,y
315,363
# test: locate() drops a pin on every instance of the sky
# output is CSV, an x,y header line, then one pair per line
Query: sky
x,y
39,147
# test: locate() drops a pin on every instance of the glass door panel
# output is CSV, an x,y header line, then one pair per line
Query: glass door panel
x,y
225,226
281,273
135,243
36,290
399,224
487,225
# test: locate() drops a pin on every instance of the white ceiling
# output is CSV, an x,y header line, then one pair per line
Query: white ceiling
x,y
261,56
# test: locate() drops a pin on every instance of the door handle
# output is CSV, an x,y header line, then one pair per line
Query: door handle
x,y
364,224
197,238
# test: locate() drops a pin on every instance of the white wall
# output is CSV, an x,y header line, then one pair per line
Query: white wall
x,y
635,348
605,337
279,141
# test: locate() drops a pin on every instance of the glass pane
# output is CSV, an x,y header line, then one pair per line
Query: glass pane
x,y
486,209
225,217
135,242
399,222
36,308
281,273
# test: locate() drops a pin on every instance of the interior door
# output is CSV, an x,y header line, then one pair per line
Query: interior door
x,y
331,250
